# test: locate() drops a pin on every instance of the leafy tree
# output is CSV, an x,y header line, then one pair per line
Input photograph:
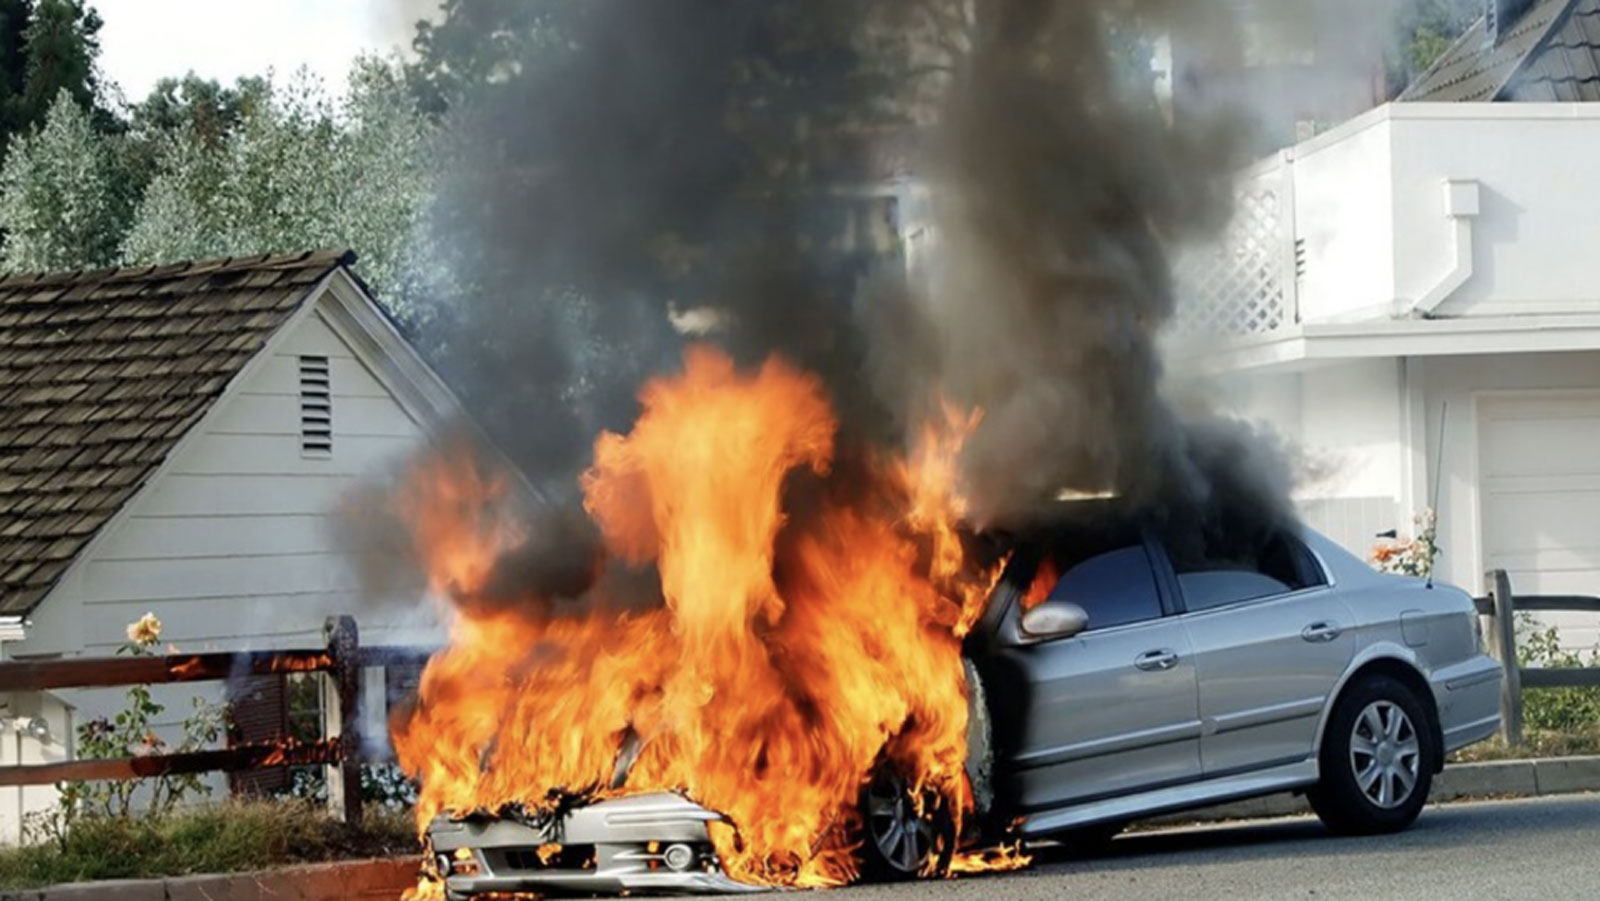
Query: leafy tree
x,y
60,44
203,106
295,172
58,204
1427,29
14,18
477,43
46,47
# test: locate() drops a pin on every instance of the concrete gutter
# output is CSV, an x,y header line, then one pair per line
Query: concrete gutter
x,y
356,880
1458,782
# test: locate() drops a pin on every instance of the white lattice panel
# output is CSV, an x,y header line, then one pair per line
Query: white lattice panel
x,y
1241,284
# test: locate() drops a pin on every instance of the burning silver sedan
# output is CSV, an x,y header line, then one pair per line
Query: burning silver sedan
x,y
1141,676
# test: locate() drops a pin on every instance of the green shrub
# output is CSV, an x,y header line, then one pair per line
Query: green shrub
x,y
229,837
1566,710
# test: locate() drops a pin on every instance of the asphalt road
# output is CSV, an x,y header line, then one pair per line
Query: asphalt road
x,y
1543,848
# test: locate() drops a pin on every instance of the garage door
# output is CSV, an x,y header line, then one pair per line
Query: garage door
x,y
1539,471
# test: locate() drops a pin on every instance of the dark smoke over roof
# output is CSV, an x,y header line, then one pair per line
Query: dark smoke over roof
x,y
653,158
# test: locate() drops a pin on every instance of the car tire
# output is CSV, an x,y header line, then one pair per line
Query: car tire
x,y
896,843
1376,760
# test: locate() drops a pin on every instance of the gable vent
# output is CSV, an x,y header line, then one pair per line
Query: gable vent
x,y
316,408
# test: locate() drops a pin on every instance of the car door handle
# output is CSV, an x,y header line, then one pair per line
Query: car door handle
x,y
1318,633
1156,660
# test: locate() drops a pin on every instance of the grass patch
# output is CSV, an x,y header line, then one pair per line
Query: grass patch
x,y
1535,743
231,837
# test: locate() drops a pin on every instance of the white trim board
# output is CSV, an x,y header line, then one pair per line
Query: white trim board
x,y
1318,342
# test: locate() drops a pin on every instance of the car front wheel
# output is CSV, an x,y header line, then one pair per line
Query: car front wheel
x,y
1376,760
902,838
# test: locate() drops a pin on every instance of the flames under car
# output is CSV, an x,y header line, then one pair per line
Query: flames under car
x,y
1142,676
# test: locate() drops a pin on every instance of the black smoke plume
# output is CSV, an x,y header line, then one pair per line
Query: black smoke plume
x,y
651,173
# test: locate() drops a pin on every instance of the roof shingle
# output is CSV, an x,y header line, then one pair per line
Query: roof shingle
x,y
1550,54
101,373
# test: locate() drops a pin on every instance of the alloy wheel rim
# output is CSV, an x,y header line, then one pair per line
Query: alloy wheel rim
x,y
901,836
1385,754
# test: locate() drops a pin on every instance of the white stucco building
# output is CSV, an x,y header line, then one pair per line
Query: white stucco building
x,y
1414,296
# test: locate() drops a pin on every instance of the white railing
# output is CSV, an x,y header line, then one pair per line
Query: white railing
x,y
1244,284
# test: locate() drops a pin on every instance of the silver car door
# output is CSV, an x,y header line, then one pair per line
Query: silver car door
x,y
1109,711
1271,639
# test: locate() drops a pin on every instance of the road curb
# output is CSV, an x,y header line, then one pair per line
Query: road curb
x,y
1458,782
358,880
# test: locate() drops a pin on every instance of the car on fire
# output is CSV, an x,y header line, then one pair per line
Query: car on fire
x,y
1119,671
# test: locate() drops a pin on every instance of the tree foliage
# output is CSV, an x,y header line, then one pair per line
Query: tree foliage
x,y
59,202
206,108
270,169
478,43
1427,29
61,44
203,171
47,47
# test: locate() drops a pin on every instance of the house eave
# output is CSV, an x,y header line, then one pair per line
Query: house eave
x,y
354,315
1312,343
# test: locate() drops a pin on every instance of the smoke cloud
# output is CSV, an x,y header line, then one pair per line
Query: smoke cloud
x,y
688,161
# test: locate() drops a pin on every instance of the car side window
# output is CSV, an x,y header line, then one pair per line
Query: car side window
x,y
1115,587
1218,573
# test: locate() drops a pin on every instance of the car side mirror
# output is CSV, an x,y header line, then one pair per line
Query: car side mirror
x,y
1055,619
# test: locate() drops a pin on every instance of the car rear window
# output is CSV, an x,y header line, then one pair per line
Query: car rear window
x,y
1217,573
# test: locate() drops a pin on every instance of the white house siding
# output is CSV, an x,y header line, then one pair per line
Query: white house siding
x,y
1376,233
1519,450
1342,214
1517,481
1346,420
1536,217
234,545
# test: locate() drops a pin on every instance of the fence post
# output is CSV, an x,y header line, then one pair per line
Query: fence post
x,y
1504,641
341,717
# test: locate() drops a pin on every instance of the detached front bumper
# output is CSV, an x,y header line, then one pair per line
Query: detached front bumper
x,y
641,844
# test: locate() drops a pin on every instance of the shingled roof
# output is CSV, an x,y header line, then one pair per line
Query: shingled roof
x,y
1551,53
101,374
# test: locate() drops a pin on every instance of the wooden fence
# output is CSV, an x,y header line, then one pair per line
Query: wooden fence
x,y
1502,606
341,661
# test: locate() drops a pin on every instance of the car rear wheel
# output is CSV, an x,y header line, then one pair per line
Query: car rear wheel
x,y
1376,760
902,838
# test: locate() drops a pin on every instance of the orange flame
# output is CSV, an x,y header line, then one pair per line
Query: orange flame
x,y
1004,857
791,656
1044,579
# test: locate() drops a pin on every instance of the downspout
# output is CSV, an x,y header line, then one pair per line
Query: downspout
x,y
1461,207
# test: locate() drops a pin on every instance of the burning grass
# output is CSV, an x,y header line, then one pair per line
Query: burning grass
x,y
796,647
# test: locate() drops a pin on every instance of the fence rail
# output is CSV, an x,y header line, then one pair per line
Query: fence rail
x,y
340,661
1501,606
